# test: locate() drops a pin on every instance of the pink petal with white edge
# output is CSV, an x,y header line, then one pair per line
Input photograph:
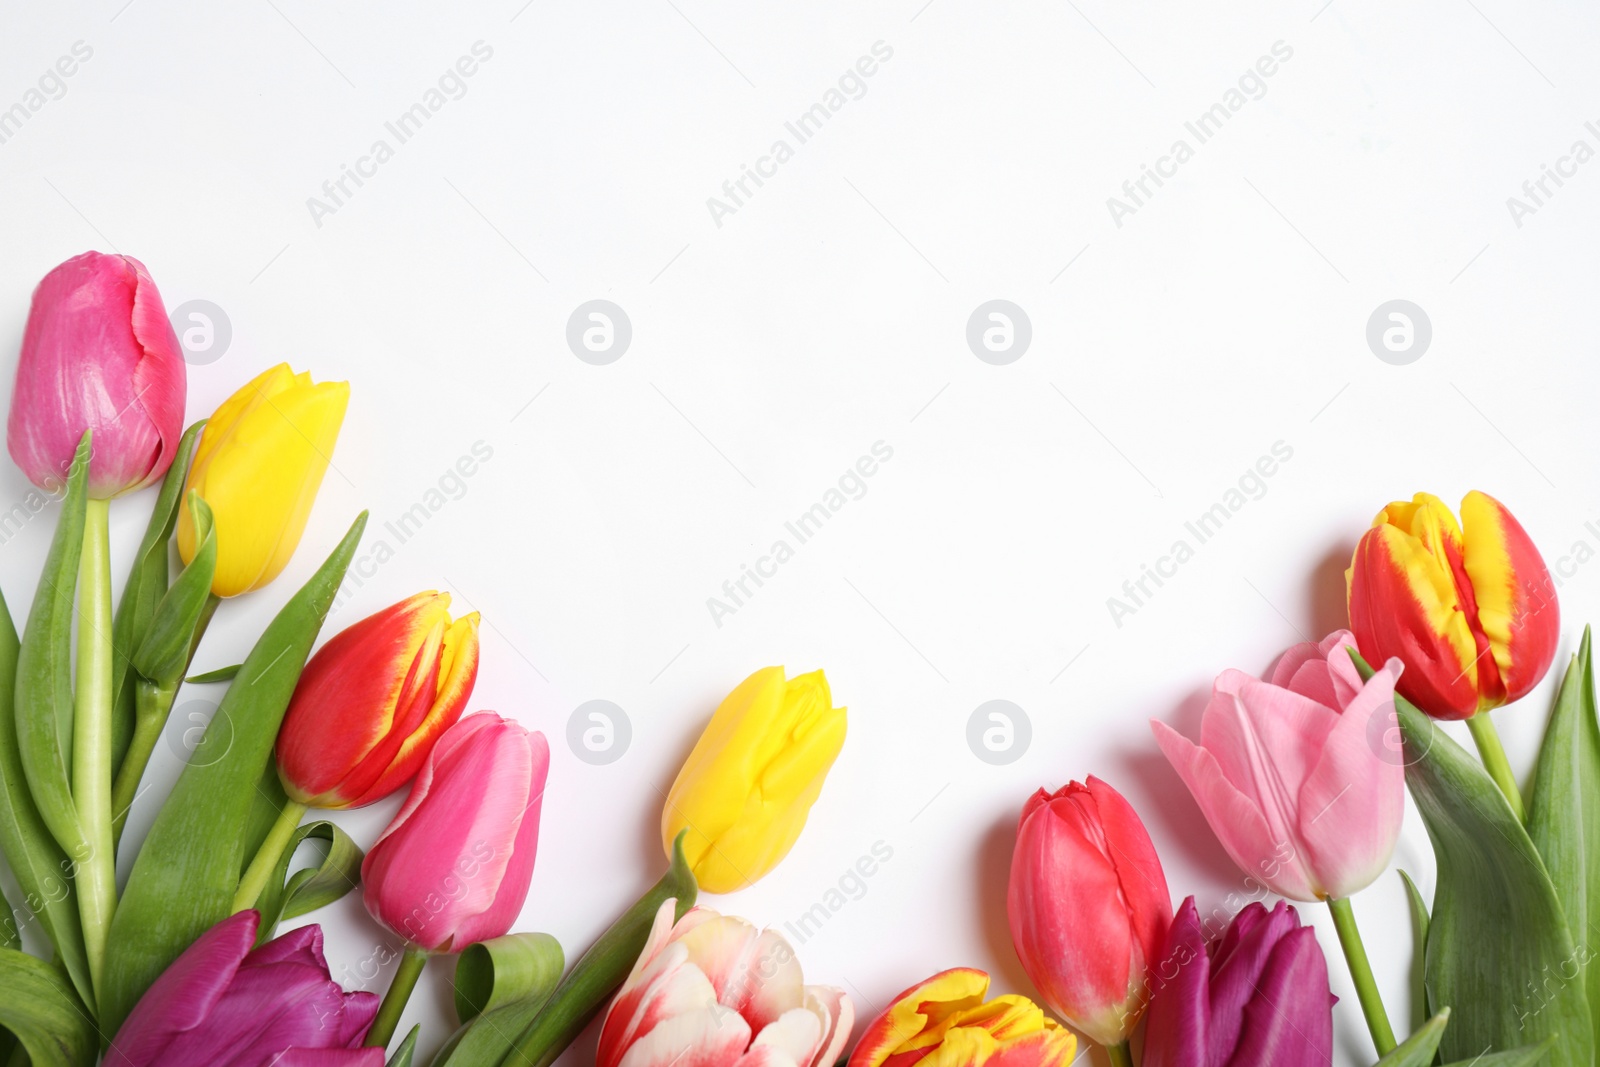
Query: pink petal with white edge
x,y
838,1014
1239,825
758,975
708,1037
796,1035
1352,804
672,986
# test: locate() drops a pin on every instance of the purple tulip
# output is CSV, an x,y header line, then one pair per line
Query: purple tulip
x,y
1257,998
98,354
222,1004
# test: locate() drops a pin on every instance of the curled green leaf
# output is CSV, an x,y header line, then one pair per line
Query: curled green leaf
x,y
336,872
45,1014
493,973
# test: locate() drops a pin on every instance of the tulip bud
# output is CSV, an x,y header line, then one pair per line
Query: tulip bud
x,y
1295,775
225,1001
1258,997
1470,609
746,789
713,991
373,700
98,354
1088,906
453,867
946,1020
259,465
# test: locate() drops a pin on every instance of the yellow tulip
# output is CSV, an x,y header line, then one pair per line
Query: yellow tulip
x,y
259,465
746,789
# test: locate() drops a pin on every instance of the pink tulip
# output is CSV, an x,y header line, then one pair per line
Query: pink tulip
x,y
1299,776
453,867
98,354
1088,906
712,991
222,1002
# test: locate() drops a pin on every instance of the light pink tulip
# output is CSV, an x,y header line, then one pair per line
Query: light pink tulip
x,y
1299,776
454,866
98,354
712,991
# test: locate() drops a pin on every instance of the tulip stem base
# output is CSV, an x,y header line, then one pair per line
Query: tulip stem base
x,y
91,737
152,704
1120,1055
1487,738
394,1001
1355,954
268,855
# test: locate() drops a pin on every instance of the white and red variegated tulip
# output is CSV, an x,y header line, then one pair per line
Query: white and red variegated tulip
x,y
713,991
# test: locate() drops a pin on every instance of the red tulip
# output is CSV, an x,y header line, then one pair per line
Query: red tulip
x,y
224,1002
372,702
454,866
1088,906
98,354
1469,608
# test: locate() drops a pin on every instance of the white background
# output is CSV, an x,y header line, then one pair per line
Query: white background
x,y
829,313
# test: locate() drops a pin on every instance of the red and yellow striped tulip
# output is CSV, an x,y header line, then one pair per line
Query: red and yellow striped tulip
x,y
946,1021
1469,608
373,700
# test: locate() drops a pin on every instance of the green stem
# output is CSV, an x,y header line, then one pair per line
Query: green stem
x,y
394,1001
91,737
266,859
1355,954
1120,1055
152,704
1487,738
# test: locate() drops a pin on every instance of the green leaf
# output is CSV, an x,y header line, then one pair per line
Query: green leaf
x,y
42,1010
44,672
185,876
1419,952
147,584
1418,1049
408,1048
289,896
1564,813
598,973
484,1041
221,674
265,805
1499,953
163,655
493,973
1526,1056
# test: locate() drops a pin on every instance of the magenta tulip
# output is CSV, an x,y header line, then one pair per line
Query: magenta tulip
x,y
1257,998
98,354
454,866
1299,777
1088,906
224,1003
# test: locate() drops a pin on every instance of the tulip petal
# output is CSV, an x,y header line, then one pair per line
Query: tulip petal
x,y
330,1057
1178,1020
838,1016
920,1015
1271,855
185,994
672,988
1351,805
1517,609
1289,1023
1404,602
792,1037
707,1037
511,885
